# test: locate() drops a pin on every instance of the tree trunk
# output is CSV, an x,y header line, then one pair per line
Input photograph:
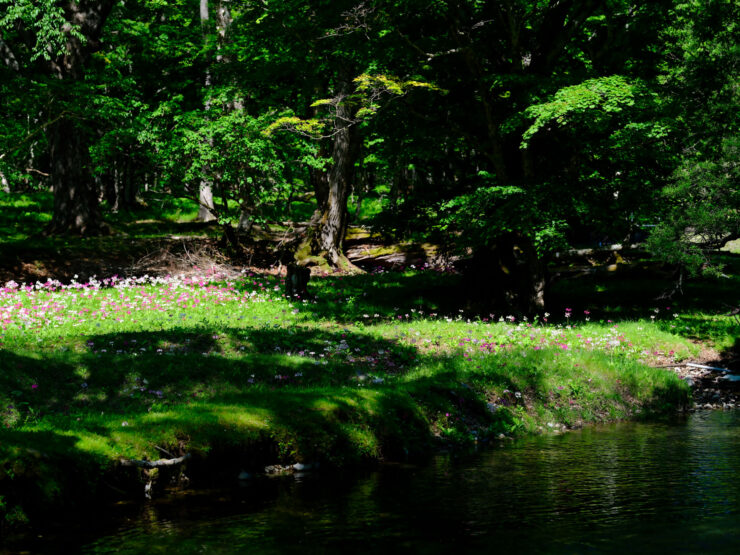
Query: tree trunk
x,y
329,222
205,189
205,199
507,276
130,188
333,222
223,19
76,208
4,185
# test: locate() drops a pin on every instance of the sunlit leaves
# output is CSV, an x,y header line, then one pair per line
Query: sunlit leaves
x,y
46,20
602,95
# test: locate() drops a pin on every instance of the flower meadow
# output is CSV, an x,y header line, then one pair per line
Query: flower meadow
x,y
379,366
374,366
386,342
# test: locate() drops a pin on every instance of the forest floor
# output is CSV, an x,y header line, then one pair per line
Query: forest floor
x,y
148,345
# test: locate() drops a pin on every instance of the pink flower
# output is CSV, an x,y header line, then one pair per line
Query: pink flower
x,y
34,386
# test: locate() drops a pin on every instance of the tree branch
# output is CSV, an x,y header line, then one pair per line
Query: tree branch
x,y
155,464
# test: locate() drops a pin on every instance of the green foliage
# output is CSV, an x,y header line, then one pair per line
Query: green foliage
x,y
570,123
703,213
700,205
248,167
484,215
588,101
46,20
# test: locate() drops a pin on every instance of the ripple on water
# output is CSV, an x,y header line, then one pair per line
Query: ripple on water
x,y
632,488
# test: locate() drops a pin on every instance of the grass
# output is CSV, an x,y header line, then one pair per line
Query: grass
x,y
378,366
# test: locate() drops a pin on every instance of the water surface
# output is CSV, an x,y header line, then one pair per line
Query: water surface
x,y
625,488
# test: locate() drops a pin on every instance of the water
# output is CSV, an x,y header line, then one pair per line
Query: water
x,y
628,488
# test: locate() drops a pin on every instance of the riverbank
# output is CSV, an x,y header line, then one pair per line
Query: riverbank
x,y
604,488
225,371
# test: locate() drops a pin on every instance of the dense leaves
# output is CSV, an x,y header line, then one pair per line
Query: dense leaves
x,y
567,123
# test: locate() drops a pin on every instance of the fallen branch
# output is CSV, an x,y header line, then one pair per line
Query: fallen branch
x,y
155,464
38,172
702,366
693,365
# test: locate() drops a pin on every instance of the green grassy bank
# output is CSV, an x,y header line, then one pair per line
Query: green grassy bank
x,y
377,367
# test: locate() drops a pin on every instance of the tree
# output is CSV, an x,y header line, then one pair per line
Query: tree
x,y
550,116
700,205
53,45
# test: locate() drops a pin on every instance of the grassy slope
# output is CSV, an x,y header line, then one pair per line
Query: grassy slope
x,y
91,375
378,367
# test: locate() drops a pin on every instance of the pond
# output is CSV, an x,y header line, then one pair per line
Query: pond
x,y
623,488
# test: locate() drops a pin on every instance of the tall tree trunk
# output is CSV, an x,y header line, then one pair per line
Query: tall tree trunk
x,y
333,221
223,19
130,188
76,208
329,222
205,189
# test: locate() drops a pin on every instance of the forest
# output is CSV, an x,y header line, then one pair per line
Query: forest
x,y
511,130
356,206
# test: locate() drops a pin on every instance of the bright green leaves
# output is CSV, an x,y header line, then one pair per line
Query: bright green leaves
x,y
365,101
46,20
592,98
311,127
372,84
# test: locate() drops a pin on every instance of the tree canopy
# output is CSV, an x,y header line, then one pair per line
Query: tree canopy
x,y
519,126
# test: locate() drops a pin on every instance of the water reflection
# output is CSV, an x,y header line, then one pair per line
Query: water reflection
x,y
635,488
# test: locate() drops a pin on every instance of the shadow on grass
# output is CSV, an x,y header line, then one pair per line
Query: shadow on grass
x,y
635,295
252,399
341,385
164,228
40,471
386,295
